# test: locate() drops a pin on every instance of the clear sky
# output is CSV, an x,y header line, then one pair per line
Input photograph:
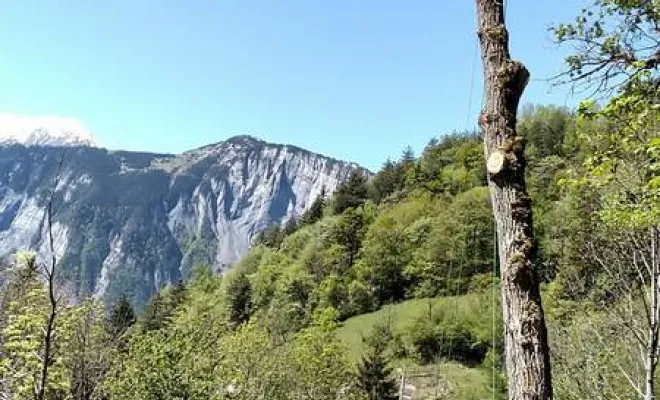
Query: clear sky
x,y
354,79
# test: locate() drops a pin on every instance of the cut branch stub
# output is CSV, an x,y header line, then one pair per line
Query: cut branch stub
x,y
496,162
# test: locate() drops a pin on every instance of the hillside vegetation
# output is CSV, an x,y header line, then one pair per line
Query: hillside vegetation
x,y
398,270
391,272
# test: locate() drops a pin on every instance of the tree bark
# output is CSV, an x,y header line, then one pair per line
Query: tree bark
x,y
527,354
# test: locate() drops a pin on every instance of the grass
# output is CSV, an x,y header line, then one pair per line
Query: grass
x,y
444,380
450,381
473,309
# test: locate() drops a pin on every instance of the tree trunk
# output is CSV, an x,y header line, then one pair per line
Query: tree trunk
x,y
527,355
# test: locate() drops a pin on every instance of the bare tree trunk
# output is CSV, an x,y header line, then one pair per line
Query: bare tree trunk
x,y
47,356
527,354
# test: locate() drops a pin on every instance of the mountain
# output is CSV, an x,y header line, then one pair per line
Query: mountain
x,y
43,131
44,137
133,222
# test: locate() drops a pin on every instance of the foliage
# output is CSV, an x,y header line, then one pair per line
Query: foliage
x,y
239,299
315,211
122,316
613,40
161,307
352,193
405,258
374,377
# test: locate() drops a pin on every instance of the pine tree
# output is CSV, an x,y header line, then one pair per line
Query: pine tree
x,y
239,296
315,211
122,317
290,227
407,159
388,180
374,377
352,193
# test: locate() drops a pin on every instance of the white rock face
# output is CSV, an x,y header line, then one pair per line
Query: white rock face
x,y
258,188
137,221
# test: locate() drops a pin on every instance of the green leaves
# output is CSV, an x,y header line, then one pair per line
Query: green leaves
x,y
623,162
612,40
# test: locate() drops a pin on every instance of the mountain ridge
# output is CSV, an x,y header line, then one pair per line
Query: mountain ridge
x,y
135,221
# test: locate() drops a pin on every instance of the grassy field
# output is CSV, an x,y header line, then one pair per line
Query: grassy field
x,y
438,381
472,309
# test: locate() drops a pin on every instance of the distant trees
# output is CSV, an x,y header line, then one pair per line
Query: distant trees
x,y
352,193
162,306
348,233
392,176
272,237
315,211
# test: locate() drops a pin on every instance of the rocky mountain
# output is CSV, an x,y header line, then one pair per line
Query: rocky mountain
x,y
133,222
43,131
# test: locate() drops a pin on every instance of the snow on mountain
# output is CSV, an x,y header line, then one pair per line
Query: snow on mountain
x,y
43,131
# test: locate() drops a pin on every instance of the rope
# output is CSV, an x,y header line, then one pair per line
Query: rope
x,y
468,118
494,302
495,268
495,247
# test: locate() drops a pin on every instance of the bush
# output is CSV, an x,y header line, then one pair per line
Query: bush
x,y
431,340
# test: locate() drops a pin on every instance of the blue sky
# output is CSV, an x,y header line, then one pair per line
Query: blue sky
x,y
354,79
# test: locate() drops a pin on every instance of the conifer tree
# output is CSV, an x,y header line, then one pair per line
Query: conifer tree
x,y
290,227
315,211
374,377
352,193
122,317
239,296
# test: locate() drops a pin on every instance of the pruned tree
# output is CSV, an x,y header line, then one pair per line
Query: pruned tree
x,y
527,353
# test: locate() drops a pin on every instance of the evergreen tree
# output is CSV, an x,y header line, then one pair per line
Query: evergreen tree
x,y
290,227
407,159
352,193
270,237
122,317
162,305
239,299
388,180
315,211
178,293
374,377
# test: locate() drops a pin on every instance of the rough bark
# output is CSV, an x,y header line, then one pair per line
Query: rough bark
x,y
527,354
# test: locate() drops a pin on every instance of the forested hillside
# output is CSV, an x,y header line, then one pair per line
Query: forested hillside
x,y
130,223
421,228
398,273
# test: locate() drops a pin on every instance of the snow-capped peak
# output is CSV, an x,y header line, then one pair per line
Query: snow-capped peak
x,y
43,131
